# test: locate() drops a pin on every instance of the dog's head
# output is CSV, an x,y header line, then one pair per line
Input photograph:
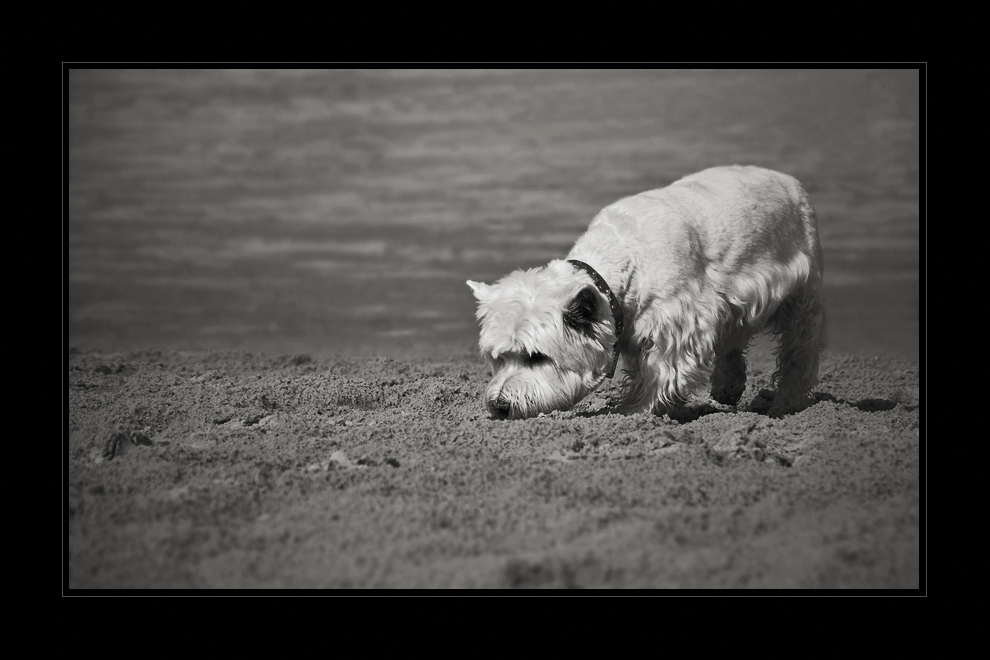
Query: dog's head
x,y
547,334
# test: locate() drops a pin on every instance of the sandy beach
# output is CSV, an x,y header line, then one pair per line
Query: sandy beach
x,y
232,470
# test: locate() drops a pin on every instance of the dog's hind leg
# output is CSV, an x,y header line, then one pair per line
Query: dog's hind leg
x,y
799,325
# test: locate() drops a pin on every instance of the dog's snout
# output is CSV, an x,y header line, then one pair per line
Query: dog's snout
x,y
499,408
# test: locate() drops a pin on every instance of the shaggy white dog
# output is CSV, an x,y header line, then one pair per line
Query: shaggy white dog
x,y
676,282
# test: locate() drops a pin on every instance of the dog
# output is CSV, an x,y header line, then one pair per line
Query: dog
x,y
676,282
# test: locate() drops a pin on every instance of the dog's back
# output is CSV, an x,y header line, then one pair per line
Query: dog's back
x,y
749,211
726,223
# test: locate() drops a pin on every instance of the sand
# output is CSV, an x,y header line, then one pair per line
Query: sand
x,y
237,470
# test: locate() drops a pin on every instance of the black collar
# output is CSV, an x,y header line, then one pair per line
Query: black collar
x,y
613,303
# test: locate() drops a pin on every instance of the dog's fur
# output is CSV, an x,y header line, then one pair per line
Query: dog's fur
x,y
699,268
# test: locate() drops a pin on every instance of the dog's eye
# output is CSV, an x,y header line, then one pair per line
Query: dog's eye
x,y
537,359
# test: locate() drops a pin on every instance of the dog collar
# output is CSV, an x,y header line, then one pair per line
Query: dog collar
x,y
613,302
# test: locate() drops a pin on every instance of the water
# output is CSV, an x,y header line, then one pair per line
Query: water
x,y
342,211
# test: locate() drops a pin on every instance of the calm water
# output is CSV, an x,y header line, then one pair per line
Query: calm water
x,y
341,211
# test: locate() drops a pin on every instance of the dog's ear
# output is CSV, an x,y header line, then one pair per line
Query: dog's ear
x,y
480,290
582,312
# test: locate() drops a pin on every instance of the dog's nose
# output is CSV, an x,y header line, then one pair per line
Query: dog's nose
x,y
499,408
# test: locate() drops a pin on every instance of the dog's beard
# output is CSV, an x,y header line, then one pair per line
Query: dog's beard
x,y
518,392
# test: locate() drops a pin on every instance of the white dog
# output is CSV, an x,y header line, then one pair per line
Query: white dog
x,y
676,281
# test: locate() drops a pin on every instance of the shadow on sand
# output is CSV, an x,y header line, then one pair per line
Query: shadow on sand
x,y
760,405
